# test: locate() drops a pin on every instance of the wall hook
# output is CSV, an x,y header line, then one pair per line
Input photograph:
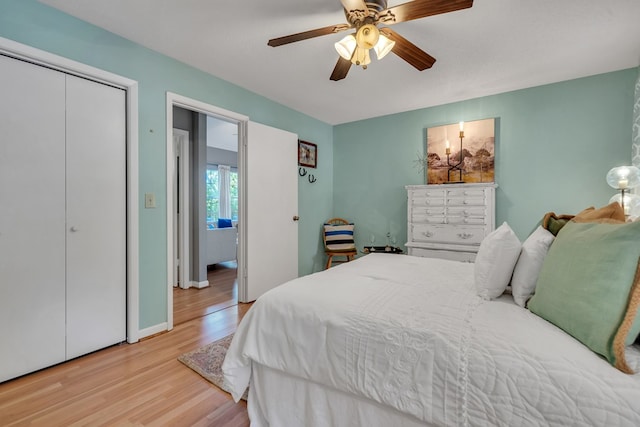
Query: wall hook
x,y
312,179
302,171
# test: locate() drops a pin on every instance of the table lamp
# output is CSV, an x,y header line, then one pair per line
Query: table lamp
x,y
625,178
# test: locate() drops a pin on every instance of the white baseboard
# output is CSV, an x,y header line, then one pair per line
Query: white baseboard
x,y
152,330
199,285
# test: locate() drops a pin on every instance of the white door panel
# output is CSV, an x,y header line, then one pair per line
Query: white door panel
x,y
32,270
181,199
96,216
272,202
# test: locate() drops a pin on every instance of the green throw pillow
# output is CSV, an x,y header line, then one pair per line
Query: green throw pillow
x,y
587,286
554,223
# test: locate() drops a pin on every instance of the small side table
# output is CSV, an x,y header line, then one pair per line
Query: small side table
x,y
382,250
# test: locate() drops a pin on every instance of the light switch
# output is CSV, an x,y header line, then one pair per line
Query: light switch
x,y
149,200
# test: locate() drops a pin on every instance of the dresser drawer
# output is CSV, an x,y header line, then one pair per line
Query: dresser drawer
x,y
428,215
418,218
465,220
467,211
454,234
465,201
428,202
425,193
464,193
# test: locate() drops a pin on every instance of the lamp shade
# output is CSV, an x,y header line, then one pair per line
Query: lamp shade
x,y
383,47
631,203
622,177
346,46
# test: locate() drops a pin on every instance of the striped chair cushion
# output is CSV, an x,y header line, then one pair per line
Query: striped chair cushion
x,y
339,237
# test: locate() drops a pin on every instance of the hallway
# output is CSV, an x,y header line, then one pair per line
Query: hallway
x,y
222,292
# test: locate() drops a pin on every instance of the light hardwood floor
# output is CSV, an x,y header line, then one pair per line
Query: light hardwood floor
x,y
140,384
222,292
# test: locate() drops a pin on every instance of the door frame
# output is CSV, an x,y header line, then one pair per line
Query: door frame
x,y
20,51
174,99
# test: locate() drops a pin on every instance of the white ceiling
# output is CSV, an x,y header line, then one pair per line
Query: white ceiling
x,y
493,47
222,134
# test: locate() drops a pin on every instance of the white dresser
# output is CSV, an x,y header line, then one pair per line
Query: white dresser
x,y
449,220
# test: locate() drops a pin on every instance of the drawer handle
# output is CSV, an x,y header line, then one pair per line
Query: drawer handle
x,y
465,236
427,233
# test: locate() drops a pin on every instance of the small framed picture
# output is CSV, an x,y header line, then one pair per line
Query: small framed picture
x,y
307,154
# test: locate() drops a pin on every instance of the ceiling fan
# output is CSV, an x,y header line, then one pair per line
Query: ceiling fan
x,y
364,16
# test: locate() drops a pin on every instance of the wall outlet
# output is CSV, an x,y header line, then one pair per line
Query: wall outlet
x,y
149,200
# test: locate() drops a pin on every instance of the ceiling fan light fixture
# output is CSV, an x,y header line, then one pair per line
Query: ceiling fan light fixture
x,y
346,46
367,36
361,57
383,47
364,16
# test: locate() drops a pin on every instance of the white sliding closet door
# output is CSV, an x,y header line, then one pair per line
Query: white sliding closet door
x,y
32,218
96,216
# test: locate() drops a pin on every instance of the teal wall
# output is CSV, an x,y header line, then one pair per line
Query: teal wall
x,y
554,146
31,23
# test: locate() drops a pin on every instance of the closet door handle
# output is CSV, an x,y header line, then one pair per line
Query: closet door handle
x,y
73,229
296,218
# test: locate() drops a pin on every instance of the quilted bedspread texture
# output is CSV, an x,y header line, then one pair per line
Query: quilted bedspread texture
x,y
412,334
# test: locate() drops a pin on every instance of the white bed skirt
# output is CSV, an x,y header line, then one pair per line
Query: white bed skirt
x,y
277,399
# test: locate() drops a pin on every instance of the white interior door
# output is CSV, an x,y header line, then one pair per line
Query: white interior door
x,y
182,264
96,216
32,236
271,233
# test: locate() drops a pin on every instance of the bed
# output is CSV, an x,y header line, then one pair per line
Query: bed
x,y
395,340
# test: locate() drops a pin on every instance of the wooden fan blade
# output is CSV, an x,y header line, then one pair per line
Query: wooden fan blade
x,y
308,34
406,50
350,5
341,69
422,8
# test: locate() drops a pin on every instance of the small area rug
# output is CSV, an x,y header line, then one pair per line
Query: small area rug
x,y
207,361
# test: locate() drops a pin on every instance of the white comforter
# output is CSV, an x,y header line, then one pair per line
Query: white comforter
x,y
410,333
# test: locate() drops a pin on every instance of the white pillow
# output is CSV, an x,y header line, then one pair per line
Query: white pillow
x,y
525,275
494,264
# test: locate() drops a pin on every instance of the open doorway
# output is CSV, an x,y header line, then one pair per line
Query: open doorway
x,y
267,159
205,200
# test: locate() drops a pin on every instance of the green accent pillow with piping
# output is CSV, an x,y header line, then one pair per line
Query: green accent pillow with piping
x,y
588,286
